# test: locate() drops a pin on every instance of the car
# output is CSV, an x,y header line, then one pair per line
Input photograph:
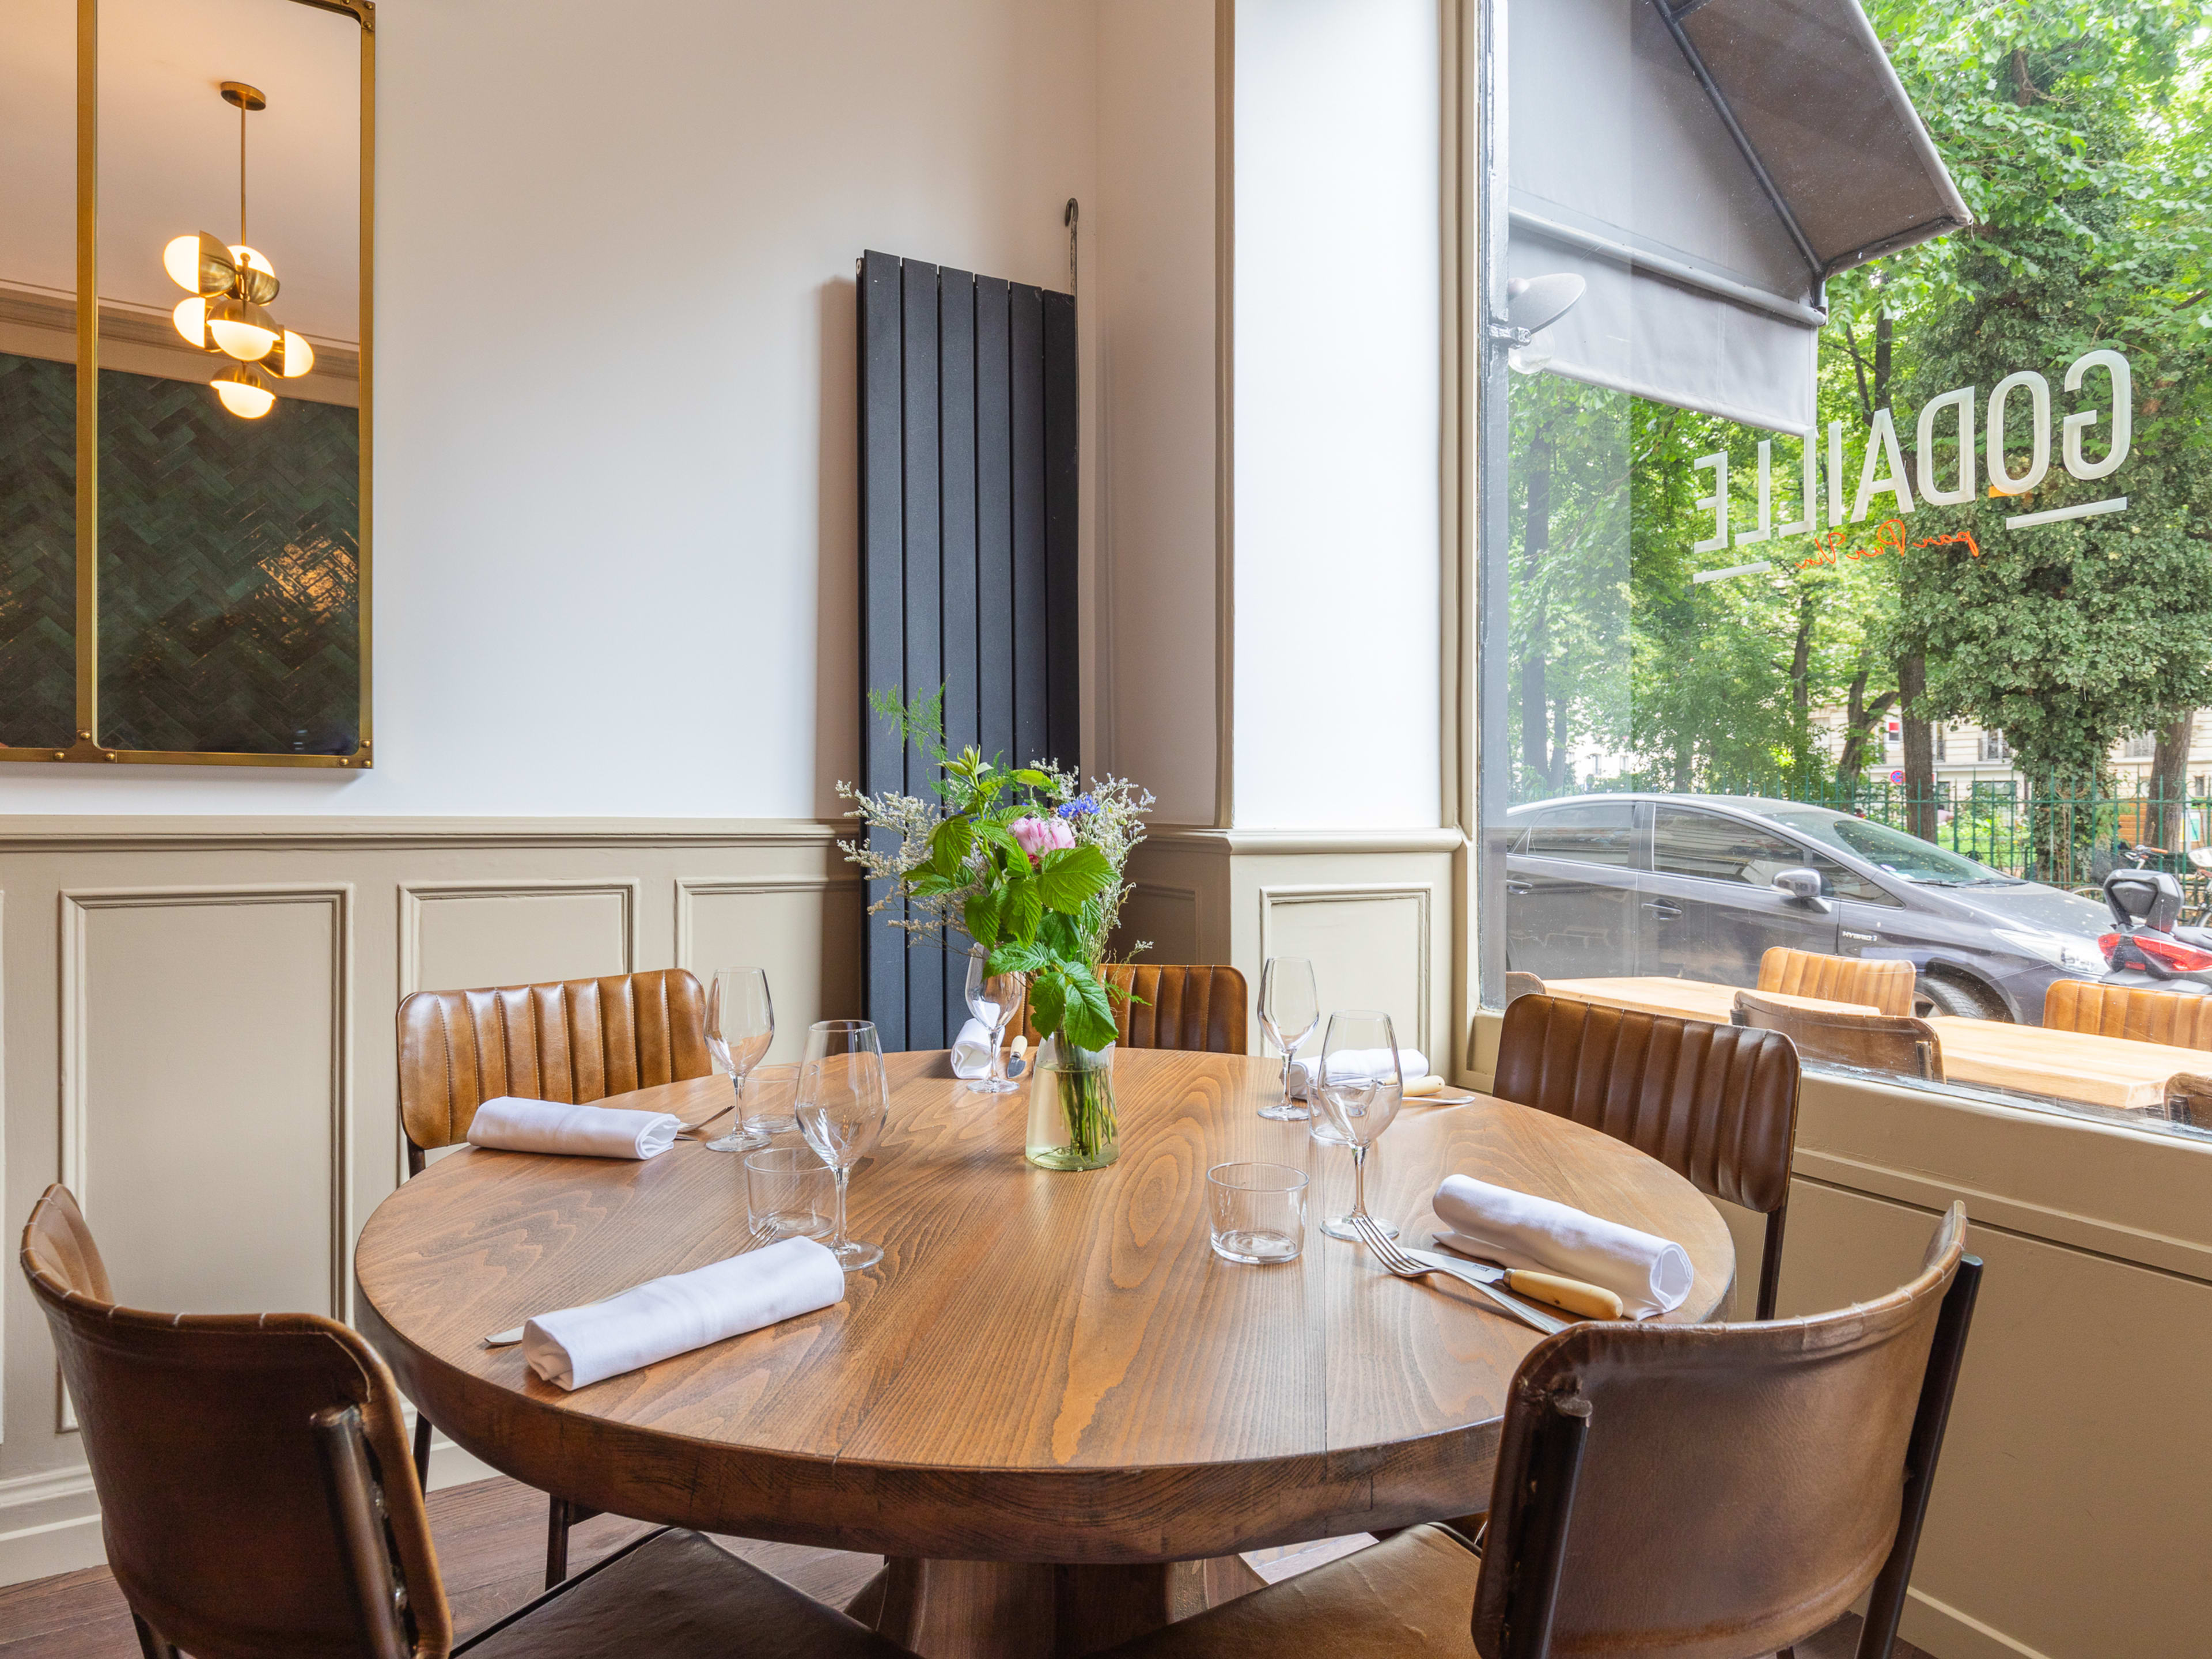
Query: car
x,y
1700,886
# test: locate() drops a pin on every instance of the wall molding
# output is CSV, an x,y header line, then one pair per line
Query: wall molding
x,y
1250,843
1423,895
77,906
57,833
414,895
689,887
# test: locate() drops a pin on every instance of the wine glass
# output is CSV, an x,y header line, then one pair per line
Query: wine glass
x,y
1359,1088
842,1097
1289,1010
992,997
740,1026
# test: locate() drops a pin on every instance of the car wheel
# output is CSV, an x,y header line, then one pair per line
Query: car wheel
x,y
1940,995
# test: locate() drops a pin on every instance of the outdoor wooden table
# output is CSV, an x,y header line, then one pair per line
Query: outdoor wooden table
x,y
1053,1408
2118,1073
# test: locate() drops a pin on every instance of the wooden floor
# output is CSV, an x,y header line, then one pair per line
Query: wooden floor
x,y
491,1550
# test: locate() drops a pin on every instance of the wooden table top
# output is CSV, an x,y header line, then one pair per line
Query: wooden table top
x,y
2096,1070
1045,1367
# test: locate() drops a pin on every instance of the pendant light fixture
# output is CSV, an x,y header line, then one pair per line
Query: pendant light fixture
x,y
229,285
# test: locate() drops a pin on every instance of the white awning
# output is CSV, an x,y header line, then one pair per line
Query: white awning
x,y
1705,169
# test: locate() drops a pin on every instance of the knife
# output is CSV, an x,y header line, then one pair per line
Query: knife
x,y
1571,1295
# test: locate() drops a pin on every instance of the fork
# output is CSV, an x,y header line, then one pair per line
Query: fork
x,y
1396,1261
512,1335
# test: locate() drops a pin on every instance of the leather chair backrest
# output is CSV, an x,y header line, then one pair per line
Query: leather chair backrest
x,y
213,1490
1894,1043
1717,1104
1884,985
2076,1004
1200,1007
2189,1100
574,1041
1740,1485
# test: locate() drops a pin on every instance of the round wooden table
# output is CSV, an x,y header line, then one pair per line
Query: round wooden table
x,y
1051,1406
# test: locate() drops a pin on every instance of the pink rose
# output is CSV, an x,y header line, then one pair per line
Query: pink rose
x,y
1040,835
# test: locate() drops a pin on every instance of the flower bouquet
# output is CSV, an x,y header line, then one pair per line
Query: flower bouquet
x,y
1029,867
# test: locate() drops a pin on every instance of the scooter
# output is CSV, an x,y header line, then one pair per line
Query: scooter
x,y
2151,950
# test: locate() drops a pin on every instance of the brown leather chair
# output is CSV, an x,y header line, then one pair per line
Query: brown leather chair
x,y
1896,1044
1706,1492
574,1041
1201,1007
2076,1004
1716,1104
2189,1100
251,1471
1879,984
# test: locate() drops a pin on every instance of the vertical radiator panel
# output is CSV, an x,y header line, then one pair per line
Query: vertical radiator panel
x,y
968,479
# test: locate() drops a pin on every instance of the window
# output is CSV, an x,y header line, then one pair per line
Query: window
x,y
1716,848
1594,833
1798,492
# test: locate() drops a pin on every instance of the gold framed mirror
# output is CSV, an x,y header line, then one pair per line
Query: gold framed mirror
x,y
185,464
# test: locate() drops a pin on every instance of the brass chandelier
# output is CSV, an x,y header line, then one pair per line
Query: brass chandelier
x,y
230,285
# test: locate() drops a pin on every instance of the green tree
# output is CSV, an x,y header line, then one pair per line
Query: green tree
x,y
2075,132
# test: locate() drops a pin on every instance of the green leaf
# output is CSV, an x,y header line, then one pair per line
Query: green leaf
x,y
1089,1020
1048,1003
1018,959
981,915
1031,776
1020,909
949,845
1068,877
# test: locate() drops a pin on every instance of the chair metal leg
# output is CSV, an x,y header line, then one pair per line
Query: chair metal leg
x,y
422,1449
150,1642
1769,1262
1887,1604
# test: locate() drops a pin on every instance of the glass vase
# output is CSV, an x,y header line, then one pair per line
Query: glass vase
x,y
1072,1122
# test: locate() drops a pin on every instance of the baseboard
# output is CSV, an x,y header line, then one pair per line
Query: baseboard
x,y
1941,1631
50,1521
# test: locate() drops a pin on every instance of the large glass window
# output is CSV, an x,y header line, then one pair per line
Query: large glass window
x,y
1851,512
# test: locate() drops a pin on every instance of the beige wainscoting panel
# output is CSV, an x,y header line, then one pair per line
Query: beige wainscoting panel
x,y
804,929
2078,1450
204,1056
1164,916
221,992
462,935
1369,943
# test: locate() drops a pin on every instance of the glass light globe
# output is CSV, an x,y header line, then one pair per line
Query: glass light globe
x,y
199,264
243,393
242,329
191,318
292,357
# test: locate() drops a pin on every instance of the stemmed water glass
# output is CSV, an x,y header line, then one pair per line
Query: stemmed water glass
x,y
1289,1010
1359,1088
992,997
842,1097
740,1026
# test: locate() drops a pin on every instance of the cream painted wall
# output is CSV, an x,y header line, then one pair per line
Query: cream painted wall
x,y
1339,365
615,485
1155,357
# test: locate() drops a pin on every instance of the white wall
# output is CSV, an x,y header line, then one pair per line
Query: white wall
x,y
1155,222
615,501
1338,388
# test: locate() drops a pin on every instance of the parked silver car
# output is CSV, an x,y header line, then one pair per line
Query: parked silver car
x,y
1699,886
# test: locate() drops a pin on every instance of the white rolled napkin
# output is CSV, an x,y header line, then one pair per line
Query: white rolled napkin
x,y
1649,1274
971,1051
515,1125
1413,1067
663,1317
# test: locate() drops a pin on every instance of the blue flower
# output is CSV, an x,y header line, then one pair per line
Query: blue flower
x,y
1078,807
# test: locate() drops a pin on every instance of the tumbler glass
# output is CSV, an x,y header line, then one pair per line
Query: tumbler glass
x,y
1257,1212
